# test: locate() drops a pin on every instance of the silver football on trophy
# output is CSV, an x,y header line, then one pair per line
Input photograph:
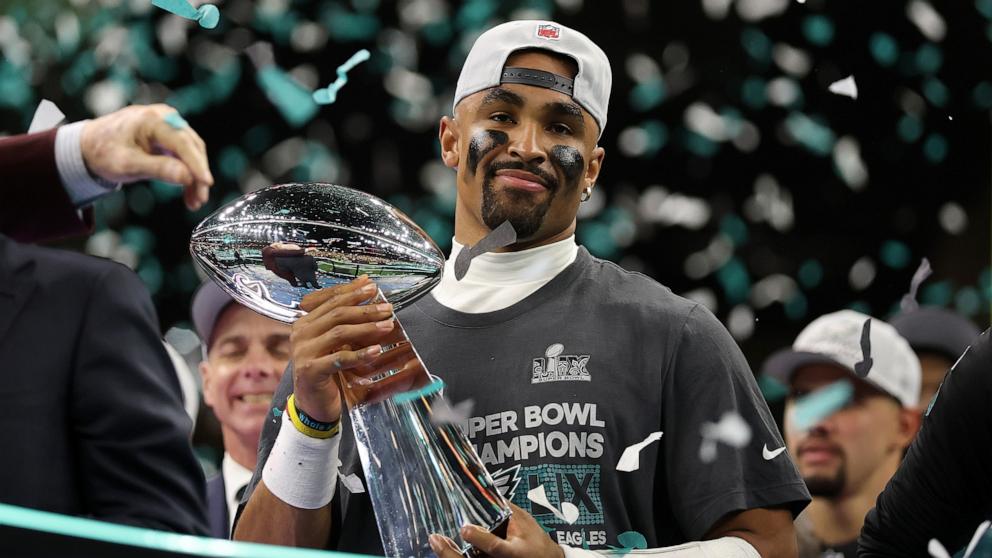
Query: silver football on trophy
x,y
271,247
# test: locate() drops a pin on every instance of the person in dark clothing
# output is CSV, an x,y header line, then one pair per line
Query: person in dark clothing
x,y
943,489
284,251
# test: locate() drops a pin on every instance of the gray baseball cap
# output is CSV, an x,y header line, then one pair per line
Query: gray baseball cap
x,y
208,303
485,65
836,339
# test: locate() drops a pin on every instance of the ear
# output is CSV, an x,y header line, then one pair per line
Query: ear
x,y
595,164
448,138
910,419
206,377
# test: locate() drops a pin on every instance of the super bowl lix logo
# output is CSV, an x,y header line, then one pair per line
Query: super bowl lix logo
x,y
556,367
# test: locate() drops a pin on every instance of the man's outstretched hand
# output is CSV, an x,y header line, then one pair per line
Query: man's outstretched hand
x,y
525,538
136,143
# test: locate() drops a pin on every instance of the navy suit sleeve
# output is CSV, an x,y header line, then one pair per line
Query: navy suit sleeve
x,y
136,463
33,202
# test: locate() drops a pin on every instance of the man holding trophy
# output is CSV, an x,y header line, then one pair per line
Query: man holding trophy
x,y
593,386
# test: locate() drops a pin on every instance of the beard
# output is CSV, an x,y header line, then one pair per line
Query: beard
x,y
827,486
514,206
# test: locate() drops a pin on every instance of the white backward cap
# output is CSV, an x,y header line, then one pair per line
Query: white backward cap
x,y
837,336
485,63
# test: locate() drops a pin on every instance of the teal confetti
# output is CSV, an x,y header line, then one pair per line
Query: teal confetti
x,y
909,128
929,58
813,135
150,272
796,307
968,301
982,95
937,293
699,144
884,49
232,162
329,94
771,389
408,396
984,7
895,254
753,92
629,540
140,239
734,279
860,306
735,228
936,92
164,191
294,102
810,274
632,540
820,404
176,120
818,30
757,45
207,15
276,412
647,95
935,148
596,237
343,25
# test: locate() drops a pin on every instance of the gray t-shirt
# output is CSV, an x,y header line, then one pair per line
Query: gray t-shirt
x,y
563,382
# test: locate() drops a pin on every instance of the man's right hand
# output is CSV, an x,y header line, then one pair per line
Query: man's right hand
x,y
135,143
337,333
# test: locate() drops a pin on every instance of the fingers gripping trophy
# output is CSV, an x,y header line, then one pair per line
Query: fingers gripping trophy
x,y
271,248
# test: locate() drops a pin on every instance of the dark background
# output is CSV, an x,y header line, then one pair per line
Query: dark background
x,y
755,220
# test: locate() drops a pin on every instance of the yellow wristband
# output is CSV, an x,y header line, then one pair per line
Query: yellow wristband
x,y
299,420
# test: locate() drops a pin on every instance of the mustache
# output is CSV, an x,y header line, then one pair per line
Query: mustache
x,y
549,180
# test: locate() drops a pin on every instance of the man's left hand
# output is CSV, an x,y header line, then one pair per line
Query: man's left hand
x,y
525,538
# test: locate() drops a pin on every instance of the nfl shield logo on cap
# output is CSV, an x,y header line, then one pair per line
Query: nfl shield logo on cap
x,y
549,32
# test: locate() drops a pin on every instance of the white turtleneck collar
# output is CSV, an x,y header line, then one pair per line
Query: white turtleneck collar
x,y
495,281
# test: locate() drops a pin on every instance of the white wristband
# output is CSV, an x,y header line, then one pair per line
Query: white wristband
x,y
726,547
302,471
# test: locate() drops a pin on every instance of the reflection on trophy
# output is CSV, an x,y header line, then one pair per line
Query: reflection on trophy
x,y
270,248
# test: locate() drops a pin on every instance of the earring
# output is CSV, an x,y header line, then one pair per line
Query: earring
x,y
586,194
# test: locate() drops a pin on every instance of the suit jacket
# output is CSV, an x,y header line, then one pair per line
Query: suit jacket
x,y
91,415
33,202
220,523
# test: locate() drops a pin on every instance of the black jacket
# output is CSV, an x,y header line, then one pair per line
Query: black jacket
x,y
91,416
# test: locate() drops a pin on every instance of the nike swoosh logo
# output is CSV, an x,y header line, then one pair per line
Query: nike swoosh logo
x,y
769,455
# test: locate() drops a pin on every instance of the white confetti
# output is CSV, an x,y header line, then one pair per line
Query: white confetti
x,y
352,483
846,87
731,430
539,497
630,460
570,511
927,20
446,413
847,158
982,527
937,550
46,117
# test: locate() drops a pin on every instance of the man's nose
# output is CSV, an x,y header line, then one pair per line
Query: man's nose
x,y
525,144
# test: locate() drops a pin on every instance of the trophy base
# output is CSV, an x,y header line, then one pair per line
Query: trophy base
x,y
499,530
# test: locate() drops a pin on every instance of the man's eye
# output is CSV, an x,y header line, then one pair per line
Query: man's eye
x,y
560,129
501,117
